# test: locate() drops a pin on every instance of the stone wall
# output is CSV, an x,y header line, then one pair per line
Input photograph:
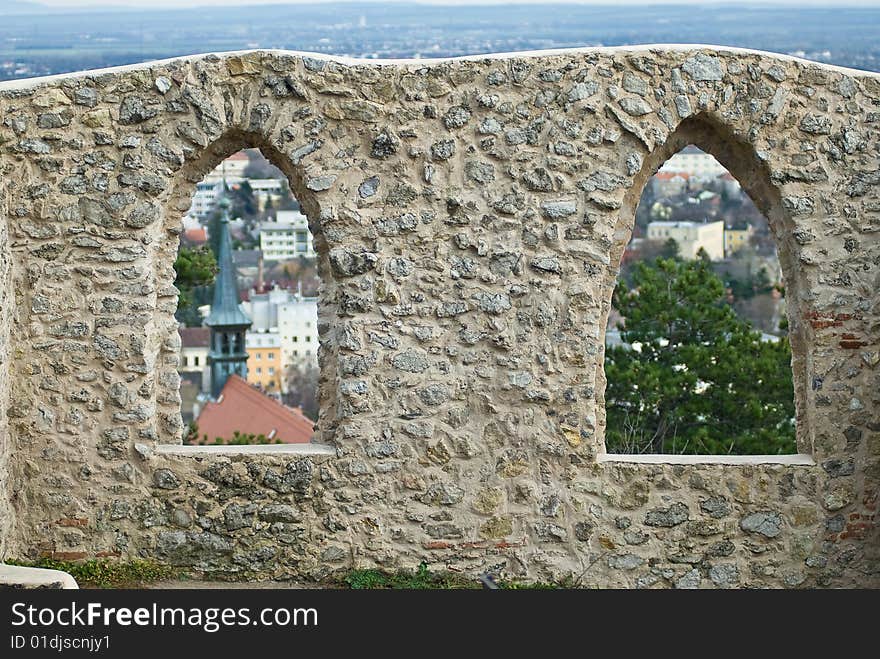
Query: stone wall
x,y
469,216
7,515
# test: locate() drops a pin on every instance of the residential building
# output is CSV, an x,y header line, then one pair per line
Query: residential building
x,y
194,237
232,169
669,184
290,316
286,237
266,189
691,237
264,368
298,328
195,374
194,344
736,239
694,162
241,408
210,189
205,198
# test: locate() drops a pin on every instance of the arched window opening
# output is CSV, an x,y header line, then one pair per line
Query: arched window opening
x,y
247,273
697,353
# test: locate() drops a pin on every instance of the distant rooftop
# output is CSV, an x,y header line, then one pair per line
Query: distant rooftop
x,y
195,337
285,220
197,235
683,224
245,258
668,176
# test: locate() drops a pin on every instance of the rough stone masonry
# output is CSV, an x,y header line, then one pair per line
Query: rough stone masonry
x,y
469,215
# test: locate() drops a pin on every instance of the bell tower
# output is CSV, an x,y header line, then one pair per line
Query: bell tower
x,y
227,355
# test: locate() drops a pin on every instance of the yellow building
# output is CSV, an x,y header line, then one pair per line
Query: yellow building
x,y
264,360
735,239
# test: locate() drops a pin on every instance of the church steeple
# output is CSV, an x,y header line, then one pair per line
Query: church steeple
x,y
227,321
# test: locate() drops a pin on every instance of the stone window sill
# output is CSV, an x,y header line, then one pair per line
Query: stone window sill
x,y
245,449
796,459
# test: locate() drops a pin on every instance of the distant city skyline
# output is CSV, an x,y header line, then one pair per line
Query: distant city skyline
x,y
95,37
165,4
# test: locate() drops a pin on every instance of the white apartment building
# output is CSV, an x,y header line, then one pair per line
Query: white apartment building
x,y
290,316
266,189
694,162
261,340
211,187
286,237
205,198
691,236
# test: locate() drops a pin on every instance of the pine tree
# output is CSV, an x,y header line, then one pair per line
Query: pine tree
x,y
671,249
694,378
244,204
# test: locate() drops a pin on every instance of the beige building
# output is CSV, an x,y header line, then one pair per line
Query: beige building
x,y
194,342
231,169
694,162
691,236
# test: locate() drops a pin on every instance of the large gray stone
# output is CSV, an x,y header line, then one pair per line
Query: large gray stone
x,y
766,523
674,515
703,67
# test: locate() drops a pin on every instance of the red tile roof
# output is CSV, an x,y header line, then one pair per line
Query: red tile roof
x,y
196,236
243,408
667,176
195,337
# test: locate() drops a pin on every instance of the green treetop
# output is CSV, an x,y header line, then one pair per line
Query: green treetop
x,y
195,267
695,377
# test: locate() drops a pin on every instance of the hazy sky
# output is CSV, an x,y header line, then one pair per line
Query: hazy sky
x,y
193,3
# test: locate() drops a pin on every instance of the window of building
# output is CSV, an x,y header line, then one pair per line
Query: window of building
x,y
271,355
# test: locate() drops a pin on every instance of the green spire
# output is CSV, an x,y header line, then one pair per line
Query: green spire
x,y
225,310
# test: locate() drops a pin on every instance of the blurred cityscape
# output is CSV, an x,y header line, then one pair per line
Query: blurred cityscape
x,y
36,40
